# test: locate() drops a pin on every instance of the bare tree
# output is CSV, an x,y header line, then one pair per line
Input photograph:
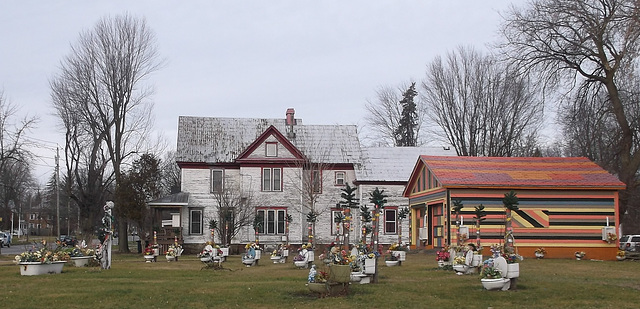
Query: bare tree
x,y
104,74
482,108
15,157
234,208
385,113
170,173
584,42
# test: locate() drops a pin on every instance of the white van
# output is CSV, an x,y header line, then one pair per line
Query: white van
x,y
630,242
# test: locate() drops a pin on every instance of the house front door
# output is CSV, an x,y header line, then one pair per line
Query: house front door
x,y
436,225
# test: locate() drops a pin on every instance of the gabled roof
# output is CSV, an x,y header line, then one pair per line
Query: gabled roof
x,y
385,164
223,140
516,172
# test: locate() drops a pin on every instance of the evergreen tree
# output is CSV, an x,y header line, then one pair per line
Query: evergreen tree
x,y
406,131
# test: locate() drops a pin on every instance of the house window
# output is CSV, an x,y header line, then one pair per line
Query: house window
x,y
272,179
195,221
390,221
271,149
217,180
340,181
336,224
316,181
273,221
32,216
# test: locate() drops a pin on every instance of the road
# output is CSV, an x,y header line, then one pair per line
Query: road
x,y
15,249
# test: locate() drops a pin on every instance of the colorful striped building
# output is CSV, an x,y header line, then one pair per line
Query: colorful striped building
x,y
565,204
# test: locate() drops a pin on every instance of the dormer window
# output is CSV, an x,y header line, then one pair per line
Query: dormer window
x,y
271,149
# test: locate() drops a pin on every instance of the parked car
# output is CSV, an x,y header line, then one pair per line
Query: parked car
x,y
68,240
630,243
5,239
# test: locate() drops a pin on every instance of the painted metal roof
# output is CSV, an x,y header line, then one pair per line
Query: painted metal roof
x,y
181,198
559,172
222,140
394,163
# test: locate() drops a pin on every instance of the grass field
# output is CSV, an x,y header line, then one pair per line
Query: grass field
x,y
418,283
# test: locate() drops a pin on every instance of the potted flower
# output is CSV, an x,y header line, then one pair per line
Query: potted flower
x,y
399,250
442,257
318,282
81,256
620,255
210,254
540,252
579,255
491,277
173,252
252,256
459,264
148,254
611,237
391,259
41,261
513,267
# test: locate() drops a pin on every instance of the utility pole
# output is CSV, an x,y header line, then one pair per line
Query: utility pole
x,y
58,189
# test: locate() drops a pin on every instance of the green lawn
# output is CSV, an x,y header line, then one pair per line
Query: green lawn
x,y
418,283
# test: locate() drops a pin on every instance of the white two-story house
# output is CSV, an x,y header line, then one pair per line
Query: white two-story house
x,y
274,172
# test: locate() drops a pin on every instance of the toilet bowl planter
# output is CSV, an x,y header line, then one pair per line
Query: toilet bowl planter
x,y
494,284
513,270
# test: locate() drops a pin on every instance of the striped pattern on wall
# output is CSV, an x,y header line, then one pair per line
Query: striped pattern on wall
x,y
544,221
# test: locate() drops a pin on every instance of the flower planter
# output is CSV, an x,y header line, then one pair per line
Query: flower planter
x,y
391,263
37,268
340,273
356,276
402,255
300,264
149,258
494,284
81,261
277,259
539,255
369,266
248,262
440,263
477,260
460,268
620,258
206,259
513,270
320,288
170,258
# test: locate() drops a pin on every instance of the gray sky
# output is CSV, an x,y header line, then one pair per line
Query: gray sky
x,y
245,58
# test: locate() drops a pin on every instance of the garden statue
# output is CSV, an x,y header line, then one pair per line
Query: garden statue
x,y
312,274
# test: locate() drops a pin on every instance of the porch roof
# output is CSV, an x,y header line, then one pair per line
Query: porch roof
x,y
177,199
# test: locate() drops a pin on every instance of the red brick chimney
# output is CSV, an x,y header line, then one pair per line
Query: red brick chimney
x,y
291,120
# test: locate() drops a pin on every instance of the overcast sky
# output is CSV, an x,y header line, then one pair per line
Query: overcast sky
x,y
245,58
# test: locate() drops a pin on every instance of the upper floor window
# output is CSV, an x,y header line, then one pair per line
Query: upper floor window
x,y
316,181
271,149
390,220
271,179
340,179
273,221
217,180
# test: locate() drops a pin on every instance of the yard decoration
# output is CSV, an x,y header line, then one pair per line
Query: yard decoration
x,y
457,206
348,202
510,202
103,252
41,261
480,215
378,198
